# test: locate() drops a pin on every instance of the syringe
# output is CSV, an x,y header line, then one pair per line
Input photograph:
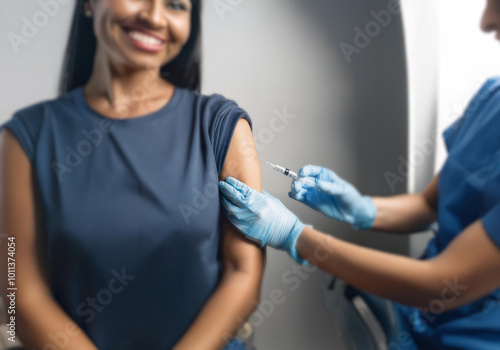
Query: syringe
x,y
289,173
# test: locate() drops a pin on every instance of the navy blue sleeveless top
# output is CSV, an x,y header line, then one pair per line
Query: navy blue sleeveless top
x,y
131,212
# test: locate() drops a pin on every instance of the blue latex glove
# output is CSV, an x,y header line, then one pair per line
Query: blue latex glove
x,y
334,197
261,217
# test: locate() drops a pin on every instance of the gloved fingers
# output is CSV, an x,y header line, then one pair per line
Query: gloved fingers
x,y
296,187
300,196
329,175
310,170
298,192
232,194
240,186
235,211
318,172
331,188
307,182
240,225
269,203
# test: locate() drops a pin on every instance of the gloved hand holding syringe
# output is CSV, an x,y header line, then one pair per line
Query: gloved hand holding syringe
x,y
289,173
264,219
326,192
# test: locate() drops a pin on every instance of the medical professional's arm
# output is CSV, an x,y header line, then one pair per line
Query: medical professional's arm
x,y
239,290
340,200
38,318
407,213
465,271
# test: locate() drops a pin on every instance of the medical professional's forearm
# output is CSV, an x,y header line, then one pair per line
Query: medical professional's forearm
x,y
406,213
389,276
230,305
42,324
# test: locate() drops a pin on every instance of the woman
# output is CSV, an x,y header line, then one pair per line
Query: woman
x,y
449,299
110,192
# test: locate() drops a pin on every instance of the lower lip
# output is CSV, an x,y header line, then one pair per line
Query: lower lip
x,y
143,46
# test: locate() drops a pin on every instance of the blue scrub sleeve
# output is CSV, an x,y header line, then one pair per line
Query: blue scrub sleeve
x,y
491,223
473,109
223,128
21,131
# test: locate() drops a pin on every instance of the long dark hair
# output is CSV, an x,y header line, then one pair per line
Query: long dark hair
x,y
183,71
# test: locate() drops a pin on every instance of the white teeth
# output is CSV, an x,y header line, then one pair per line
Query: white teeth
x,y
144,38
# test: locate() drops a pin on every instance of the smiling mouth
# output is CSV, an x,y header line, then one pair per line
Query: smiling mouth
x,y
143,41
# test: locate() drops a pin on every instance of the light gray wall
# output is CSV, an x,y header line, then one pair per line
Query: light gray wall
x,y
29,71
275,55
350,117
422,47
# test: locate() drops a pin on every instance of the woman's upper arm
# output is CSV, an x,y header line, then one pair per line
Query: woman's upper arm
x,y
242,163
19,217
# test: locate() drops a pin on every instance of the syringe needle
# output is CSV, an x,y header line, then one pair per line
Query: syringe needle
x,y
291,174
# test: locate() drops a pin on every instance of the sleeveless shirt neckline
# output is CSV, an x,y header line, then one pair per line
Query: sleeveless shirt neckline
x,y
168,107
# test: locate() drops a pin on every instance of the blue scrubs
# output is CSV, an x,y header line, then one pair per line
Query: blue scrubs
x,y
469,190
131,212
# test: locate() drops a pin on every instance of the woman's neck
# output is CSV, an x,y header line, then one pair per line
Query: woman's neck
x,y
114,85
